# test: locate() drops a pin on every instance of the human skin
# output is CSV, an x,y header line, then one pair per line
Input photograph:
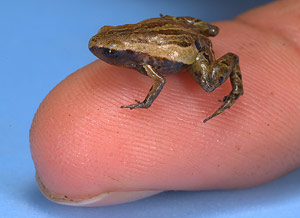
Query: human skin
x,y
84,146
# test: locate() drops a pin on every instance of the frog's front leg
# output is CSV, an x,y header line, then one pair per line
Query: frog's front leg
x,y
211,75
159,82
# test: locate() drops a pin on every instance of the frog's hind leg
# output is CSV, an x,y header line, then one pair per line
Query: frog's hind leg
x,y
203,27
228,61
156,88
210,76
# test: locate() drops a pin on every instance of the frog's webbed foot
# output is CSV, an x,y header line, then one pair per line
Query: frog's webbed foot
x,y
228,101
159,82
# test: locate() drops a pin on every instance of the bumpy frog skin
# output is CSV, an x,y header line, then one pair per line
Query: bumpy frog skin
x,y
168,45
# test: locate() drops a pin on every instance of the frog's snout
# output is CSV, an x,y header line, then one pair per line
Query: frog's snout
x,y
92,42
94,49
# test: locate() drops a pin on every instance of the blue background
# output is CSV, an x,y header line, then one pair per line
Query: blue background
x,y
41,42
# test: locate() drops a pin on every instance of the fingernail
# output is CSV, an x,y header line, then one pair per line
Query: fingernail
x,y
108,198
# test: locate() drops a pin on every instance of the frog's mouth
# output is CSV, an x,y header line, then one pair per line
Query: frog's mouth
x,y
108,55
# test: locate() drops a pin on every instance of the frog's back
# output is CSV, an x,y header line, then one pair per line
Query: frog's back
x,y
158,37
162,25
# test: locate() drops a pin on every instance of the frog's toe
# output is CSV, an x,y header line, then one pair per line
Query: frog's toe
x,y
228,102
226,98
134,106
138,102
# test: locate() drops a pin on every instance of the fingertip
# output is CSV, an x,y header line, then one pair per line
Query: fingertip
x,y
79,138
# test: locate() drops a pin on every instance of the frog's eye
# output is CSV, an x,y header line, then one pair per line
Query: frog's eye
x,y
110,52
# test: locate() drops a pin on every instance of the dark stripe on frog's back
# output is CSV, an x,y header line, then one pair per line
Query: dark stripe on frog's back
x,y
177,33
180,40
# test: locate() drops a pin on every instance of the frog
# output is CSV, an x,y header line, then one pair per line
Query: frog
x,y
167,45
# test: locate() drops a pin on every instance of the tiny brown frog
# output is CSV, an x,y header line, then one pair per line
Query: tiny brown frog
x,y
167,45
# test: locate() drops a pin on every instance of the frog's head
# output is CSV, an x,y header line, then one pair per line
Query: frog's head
x,y
107,38
110,46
